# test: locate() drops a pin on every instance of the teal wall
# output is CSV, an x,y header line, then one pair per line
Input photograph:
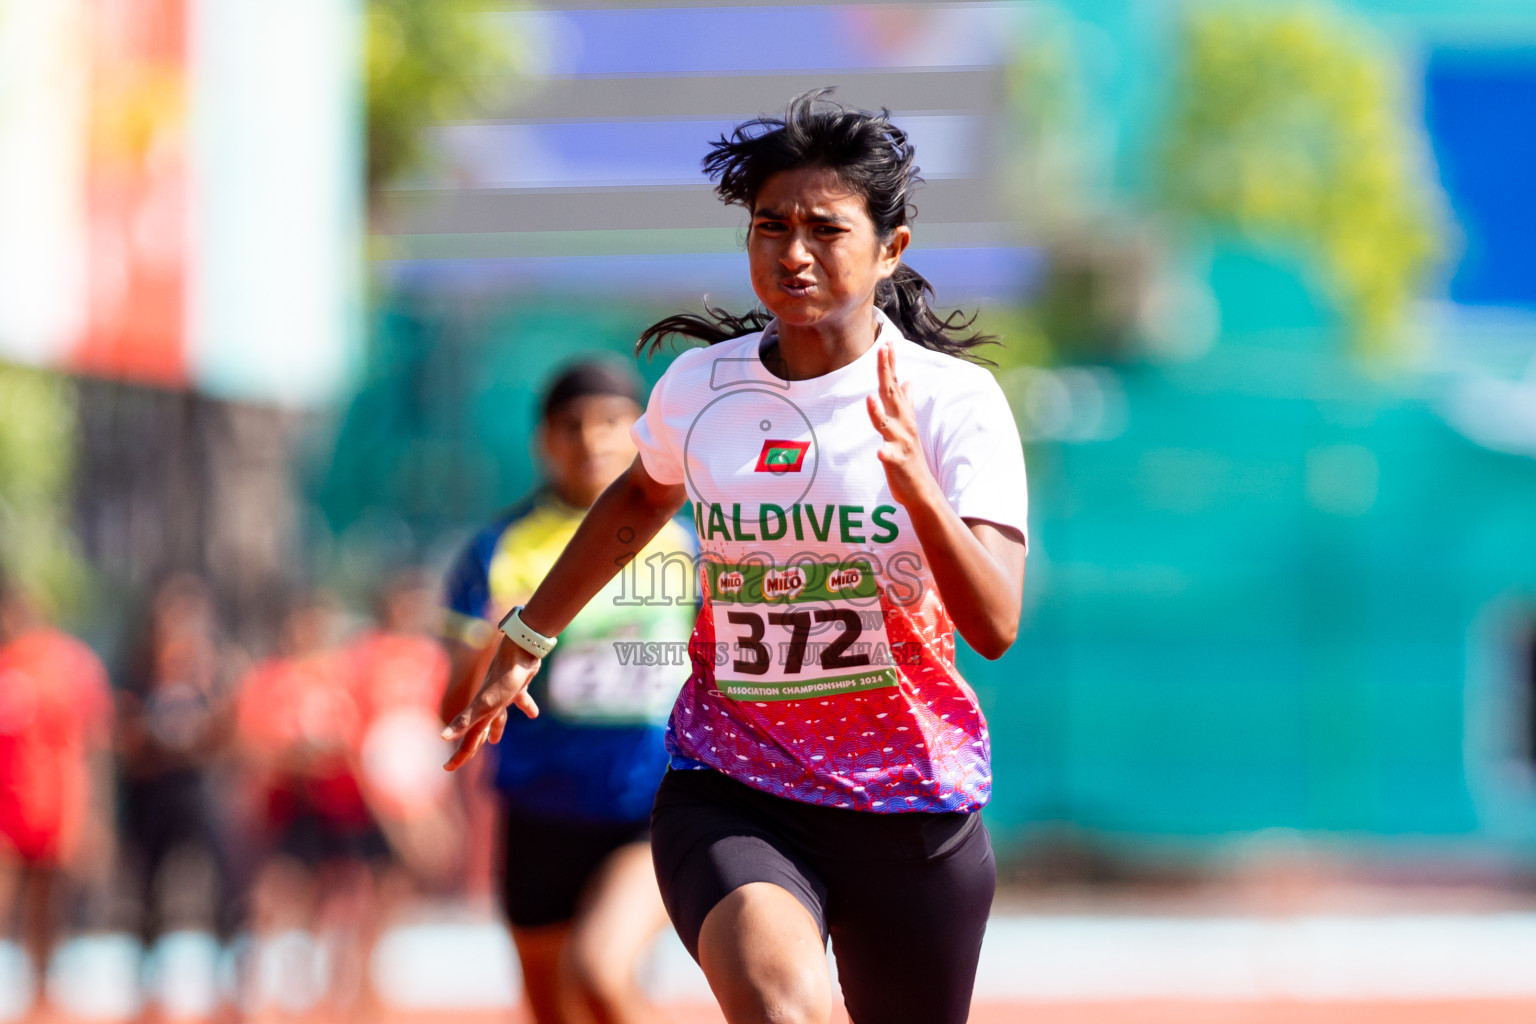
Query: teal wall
x,y
439,434
1253,607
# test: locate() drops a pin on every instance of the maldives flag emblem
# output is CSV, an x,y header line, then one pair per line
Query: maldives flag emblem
x,y
781,457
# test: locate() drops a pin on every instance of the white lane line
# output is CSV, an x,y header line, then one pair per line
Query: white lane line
x,y
1397,957
1054,958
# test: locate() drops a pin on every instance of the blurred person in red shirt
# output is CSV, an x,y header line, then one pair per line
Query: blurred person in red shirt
x,y
300,727
176,718
55,724
401,673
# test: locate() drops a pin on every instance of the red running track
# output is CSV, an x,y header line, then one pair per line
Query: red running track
x,y
1479,1011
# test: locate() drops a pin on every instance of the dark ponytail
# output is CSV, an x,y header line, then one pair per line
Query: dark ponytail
x,y
715,325
873,157
906,298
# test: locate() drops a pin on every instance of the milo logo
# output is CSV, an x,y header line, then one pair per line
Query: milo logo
x,y
730,582
844,579
783,584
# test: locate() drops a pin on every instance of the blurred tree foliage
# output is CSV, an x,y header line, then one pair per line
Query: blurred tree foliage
x,y
37,439
1085,305
1288,123
427,62
1053,157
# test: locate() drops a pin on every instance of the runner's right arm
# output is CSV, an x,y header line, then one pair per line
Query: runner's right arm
x,y
622,520
463,661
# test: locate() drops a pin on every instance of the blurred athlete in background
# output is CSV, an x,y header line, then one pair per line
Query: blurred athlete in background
x,y
400,673
300,727
577,783
175,732
55,731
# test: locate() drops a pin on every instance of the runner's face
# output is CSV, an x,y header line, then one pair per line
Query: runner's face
x,y
586,445
813,250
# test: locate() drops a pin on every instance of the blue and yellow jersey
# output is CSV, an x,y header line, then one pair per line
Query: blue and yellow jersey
x,y
595,753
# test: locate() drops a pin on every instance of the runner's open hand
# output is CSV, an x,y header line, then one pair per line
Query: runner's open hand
x,y
890,410
506,683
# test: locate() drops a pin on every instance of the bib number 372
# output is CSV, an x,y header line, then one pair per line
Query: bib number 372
x,y
800,632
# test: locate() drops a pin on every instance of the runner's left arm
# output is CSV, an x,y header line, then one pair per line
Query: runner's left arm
x,y
977,565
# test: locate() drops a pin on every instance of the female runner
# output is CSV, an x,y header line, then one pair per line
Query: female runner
x,y
859,494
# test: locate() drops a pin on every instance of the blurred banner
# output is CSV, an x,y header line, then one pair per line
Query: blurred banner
x,y
181,193
585,179
43,119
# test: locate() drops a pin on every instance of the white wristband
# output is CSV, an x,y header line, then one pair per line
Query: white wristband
x,y
536,644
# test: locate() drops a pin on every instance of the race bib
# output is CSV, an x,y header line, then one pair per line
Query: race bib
x,y
799,632
615,681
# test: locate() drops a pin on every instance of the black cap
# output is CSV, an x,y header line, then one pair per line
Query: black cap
x,y
590,377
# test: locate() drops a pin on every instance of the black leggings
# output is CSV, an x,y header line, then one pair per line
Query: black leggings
x,y
903,897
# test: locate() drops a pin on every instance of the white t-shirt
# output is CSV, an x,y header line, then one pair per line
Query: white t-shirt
x,y
823,656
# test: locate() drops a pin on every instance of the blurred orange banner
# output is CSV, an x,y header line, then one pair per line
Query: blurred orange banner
x,y
136,192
